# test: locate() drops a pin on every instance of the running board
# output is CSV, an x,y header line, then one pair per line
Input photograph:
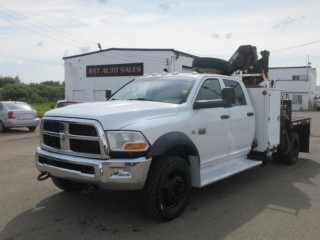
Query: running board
x,y
220,171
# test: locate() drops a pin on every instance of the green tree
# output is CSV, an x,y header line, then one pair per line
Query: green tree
x,y
49,91
5,80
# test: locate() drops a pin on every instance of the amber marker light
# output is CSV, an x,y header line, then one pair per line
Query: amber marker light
x,y
135,146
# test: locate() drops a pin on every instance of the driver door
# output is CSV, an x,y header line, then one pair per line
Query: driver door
x,y
211,126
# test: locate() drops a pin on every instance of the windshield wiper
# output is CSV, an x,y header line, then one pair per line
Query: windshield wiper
x,y
141,99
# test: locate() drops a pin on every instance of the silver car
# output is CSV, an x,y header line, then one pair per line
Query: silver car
x,y
17,114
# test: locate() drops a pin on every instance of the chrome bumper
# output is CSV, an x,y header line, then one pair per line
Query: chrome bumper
x,y
111,174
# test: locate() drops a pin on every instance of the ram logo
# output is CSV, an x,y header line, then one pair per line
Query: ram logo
x,y
62,135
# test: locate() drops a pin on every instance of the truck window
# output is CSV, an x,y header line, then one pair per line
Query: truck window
x,y
240,98
209,90
159,89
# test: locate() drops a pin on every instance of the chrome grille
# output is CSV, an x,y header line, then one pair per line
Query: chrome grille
x,y
85,146
74,137
84,130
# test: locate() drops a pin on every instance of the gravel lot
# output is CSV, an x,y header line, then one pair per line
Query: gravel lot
x,y
270,202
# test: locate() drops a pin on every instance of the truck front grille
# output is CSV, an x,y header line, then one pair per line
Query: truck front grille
x,y
84,130
85,146
74,137
51,141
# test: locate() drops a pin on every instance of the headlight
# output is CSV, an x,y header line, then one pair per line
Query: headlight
x,y
126,141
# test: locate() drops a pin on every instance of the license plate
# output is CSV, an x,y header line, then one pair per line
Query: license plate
x,y
26,116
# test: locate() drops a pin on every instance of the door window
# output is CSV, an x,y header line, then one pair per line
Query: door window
x,y
240,98
209,90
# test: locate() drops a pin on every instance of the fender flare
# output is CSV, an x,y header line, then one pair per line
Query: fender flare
x,y
171,140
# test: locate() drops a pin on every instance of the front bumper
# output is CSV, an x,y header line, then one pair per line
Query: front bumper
x,y
111,174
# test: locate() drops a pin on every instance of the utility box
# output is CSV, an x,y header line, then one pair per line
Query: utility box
x,y
266,104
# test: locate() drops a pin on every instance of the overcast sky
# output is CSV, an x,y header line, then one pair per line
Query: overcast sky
x,y
36,34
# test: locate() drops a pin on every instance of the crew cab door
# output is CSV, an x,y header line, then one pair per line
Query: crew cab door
x,y
211,126
242,120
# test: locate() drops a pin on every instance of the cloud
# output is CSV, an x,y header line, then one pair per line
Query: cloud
x,y
39,45
215,36
219,36
85,49
228,35
287,21
103,1
141,18
164,7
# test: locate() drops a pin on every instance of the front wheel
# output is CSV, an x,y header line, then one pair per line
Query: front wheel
x,y
167,189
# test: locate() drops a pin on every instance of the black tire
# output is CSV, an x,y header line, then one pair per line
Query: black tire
x,y
167,189
211,65
2,128
67,185
32,129
291,158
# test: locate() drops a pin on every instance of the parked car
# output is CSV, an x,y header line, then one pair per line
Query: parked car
x,y
63,103
17,114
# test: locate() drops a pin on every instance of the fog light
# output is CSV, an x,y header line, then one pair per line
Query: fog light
x,y
122,172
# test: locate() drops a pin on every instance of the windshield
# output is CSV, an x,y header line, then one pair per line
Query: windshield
x,y
158,89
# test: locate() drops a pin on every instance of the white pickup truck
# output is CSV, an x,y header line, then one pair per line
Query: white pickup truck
x,y
164,134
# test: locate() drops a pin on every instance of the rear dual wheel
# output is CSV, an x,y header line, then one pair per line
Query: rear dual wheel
x,y
292,156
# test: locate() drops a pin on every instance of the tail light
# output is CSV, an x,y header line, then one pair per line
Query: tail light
x,y
11,115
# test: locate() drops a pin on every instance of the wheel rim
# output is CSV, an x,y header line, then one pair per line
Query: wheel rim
x,y
173,193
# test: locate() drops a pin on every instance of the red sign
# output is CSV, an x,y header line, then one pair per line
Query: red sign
x,y
115,70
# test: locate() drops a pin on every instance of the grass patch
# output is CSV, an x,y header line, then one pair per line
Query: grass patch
x,y
43,107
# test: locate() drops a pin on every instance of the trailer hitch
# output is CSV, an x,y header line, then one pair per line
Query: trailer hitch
x,y
43,176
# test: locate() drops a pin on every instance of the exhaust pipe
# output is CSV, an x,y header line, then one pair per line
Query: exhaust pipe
x,y
43,176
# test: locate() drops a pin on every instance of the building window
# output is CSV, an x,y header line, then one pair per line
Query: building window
x,y
296,99
300,77
295,77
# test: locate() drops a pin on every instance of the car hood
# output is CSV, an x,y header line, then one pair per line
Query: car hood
x,y
117,114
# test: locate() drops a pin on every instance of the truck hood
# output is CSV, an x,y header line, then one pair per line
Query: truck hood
x,y
117,114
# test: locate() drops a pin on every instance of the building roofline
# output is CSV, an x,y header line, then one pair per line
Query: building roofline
x,y
133,49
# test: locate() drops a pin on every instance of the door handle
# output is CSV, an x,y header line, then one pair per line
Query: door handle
x,y
249,114
225,116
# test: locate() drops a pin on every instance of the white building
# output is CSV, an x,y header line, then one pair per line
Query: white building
x,y
299,83
87,76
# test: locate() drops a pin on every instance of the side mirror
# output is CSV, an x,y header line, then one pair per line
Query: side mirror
x,y
215,103
229,96
108,94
